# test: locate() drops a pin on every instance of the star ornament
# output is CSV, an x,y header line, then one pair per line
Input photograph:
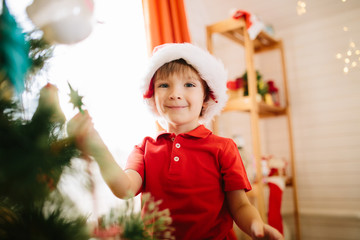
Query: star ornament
x,y
76,99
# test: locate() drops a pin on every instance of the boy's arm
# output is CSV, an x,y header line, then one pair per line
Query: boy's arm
x,y
247,218
121,183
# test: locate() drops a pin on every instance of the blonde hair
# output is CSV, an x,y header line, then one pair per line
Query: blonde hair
x,y
180,66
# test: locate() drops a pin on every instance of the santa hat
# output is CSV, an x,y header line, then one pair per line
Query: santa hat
x,y
210,69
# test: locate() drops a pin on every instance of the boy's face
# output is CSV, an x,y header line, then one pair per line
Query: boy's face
x,y
179,99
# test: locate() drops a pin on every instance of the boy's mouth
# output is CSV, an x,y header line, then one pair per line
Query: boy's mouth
x,y
176,107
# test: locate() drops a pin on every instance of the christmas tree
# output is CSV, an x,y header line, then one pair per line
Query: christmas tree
x,y
35,152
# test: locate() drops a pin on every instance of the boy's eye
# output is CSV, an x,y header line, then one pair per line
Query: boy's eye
x,y
189,85
163,85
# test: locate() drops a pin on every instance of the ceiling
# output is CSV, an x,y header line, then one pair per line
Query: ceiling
x,y
280,14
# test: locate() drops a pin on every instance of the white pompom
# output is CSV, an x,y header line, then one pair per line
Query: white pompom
x,y
63,21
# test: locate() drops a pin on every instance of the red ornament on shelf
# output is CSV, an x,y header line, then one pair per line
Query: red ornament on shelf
x,y
274,91
235,84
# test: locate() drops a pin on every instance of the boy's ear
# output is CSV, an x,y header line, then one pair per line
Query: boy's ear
x,y
204,106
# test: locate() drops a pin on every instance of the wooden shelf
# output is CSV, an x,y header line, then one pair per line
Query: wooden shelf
x,y
235,30
263,109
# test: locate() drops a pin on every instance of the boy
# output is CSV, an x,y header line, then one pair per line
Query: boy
x,y
199,176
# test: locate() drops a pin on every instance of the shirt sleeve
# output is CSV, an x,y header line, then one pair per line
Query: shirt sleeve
x,y
135,160
232,168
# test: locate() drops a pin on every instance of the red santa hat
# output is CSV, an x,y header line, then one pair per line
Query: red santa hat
x,y
210,69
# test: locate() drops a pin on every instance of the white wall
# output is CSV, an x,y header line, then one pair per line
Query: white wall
x,y
325,106
326,113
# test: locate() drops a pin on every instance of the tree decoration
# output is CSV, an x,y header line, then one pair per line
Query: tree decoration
x,y
14,50
76,99
63,21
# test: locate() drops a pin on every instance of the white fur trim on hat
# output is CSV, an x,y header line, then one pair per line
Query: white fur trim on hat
x,y
210,69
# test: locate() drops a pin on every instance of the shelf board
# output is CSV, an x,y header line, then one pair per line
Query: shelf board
x,y
264,110
234,29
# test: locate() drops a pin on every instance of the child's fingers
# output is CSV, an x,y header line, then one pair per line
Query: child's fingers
x,y
272,233
87,139
78,119
81,117
83,134
257,229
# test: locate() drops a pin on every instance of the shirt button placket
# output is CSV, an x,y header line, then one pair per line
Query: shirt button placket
x,y
177,145
175,166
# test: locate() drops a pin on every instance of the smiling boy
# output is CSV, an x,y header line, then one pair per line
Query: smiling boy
x,y
198,176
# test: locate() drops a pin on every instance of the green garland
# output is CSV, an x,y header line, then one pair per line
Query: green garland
x,y
14,60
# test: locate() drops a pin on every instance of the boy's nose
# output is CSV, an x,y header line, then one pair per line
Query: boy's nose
x,y
175,94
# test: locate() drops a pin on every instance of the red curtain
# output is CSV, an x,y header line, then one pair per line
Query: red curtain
x,y
165,22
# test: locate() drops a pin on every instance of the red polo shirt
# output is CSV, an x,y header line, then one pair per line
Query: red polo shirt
x,y
191,172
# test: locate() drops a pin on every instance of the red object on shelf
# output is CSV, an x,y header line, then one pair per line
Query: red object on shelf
x,y
271,86
274,91
235,84
274,214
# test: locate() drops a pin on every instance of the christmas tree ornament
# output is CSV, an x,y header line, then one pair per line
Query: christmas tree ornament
x,y
76,99
14,50
63,21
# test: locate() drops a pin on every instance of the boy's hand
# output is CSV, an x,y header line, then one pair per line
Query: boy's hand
x,y
87,138
264,231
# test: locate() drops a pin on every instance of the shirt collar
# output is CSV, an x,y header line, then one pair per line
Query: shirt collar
x,y
199,132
